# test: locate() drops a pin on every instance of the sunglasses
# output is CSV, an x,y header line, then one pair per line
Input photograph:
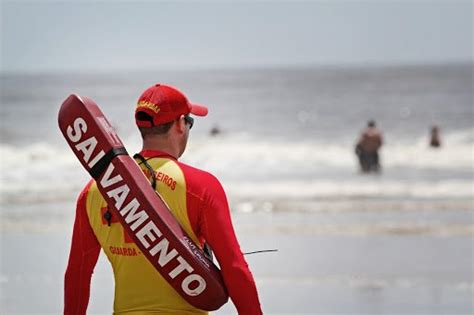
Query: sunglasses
x,y
189,120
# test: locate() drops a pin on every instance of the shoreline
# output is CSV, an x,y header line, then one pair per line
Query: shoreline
x,y
316,272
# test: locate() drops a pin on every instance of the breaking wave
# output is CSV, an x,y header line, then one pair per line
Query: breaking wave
x,y
255,168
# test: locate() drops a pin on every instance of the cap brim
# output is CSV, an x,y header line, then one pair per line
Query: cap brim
x,y
198,110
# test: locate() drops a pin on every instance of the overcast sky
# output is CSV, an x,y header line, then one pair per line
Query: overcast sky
x,y
109,35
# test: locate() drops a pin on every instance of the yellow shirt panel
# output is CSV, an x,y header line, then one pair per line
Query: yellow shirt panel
x,y
139,288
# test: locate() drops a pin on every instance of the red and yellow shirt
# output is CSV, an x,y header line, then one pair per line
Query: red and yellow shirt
x,y
198,202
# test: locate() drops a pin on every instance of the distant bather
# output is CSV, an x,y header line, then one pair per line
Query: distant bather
x,y
215,131
435,141
367,148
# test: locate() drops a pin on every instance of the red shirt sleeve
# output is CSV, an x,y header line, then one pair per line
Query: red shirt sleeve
x,y
83,257
219,232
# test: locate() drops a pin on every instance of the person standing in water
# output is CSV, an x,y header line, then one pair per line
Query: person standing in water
x,y
435,141
367,148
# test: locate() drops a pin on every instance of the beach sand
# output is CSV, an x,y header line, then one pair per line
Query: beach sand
x,y
328,262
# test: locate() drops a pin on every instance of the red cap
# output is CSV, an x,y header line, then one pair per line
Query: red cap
x,y
164,103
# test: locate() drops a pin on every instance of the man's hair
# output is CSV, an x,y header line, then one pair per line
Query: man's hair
x,y
155,130
371,123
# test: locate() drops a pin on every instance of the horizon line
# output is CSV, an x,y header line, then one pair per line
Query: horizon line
x,y
244,67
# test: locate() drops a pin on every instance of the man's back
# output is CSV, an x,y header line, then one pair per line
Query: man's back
x,y
138,286
198,202
371,140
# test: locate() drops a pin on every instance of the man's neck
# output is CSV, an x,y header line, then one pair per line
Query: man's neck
x,y
161,144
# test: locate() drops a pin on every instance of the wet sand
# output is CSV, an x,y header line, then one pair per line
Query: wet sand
x,y
320,268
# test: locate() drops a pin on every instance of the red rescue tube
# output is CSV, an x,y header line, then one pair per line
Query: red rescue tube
x,y
139,208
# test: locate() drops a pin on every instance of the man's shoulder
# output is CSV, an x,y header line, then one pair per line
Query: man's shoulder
x,y
87,188
201,182
90,189
191,172
371,132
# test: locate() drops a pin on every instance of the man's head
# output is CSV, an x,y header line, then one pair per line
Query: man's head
x,y
371,123
163,117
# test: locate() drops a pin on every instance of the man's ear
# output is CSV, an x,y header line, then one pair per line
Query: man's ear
x,y
181,124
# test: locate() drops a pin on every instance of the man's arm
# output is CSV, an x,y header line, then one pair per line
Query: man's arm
x,y
83,257
218,230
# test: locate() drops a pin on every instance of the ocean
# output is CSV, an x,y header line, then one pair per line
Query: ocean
x,y
397,242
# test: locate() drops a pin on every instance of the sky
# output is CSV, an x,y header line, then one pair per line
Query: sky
x,y
51,36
